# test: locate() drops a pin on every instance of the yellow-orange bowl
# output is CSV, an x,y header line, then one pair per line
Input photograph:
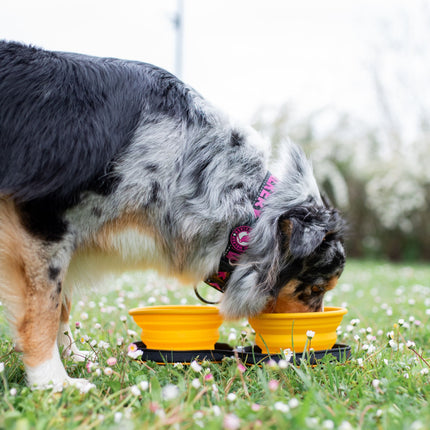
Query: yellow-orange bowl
x,y
276,332
178,328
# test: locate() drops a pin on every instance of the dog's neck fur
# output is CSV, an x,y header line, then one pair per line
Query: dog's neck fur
x,y
239,236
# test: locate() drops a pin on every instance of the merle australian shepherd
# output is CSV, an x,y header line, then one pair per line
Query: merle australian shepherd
x,y
107,164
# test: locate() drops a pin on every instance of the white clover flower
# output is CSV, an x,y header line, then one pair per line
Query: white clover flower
x,y
311,422
410,344
216,410
293,403
327,425
97,326
196,383
310,334
231,397
170,392
345,425
13,392
283,364
282,407
103,344
424,371
232,337
144,385
231,422
393,345
376,383
196,366
360,362
117,417
131,333
135,390
406,375
1,367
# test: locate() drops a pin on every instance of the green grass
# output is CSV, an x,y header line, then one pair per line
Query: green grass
x,y
381,386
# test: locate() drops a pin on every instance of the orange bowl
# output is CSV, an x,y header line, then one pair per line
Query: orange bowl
x,y
178,328
276,332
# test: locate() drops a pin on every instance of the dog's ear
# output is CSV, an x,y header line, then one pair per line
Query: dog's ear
x,y
305,229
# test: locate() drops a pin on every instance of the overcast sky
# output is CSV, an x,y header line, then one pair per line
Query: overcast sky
x,y
240,54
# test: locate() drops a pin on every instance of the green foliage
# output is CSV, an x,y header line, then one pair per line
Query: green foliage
x,y
385,384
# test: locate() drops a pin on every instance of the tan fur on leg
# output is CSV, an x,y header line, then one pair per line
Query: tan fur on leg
x,y
32,300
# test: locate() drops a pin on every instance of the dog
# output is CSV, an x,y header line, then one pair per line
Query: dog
x,y
108,164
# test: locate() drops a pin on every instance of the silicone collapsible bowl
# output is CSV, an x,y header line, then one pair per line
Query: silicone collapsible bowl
x,y
178,328
288,330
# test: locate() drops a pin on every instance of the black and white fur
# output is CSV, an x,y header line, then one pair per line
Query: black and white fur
x,y
108,164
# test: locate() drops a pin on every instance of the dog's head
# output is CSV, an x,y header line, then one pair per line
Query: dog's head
x,y
292,261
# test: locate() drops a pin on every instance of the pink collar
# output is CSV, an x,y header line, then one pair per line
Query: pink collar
x,y
239,237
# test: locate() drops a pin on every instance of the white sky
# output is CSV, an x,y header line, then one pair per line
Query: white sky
x,y
240,54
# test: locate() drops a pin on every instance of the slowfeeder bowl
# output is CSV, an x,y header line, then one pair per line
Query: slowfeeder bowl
x,y
276,332
178,328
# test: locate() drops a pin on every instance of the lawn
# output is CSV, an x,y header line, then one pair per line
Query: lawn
x,y
384,384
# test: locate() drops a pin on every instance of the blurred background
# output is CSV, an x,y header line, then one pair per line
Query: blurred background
x,y
348,80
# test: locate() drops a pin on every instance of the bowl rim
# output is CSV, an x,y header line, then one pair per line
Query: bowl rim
x,y
175,310
329,312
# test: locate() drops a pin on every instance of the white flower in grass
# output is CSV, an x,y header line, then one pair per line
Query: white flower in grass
x,y
406,375
410,344
117,417
310,334
282,407
196,366
1,367
133,351
216,410
293,403
231,422
283,364
232,337
231,397
311,422
108,371
170,392
196,383
288,354
376,383
135,390
345,425
13,392
327,425
393,345
424,371
144,385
